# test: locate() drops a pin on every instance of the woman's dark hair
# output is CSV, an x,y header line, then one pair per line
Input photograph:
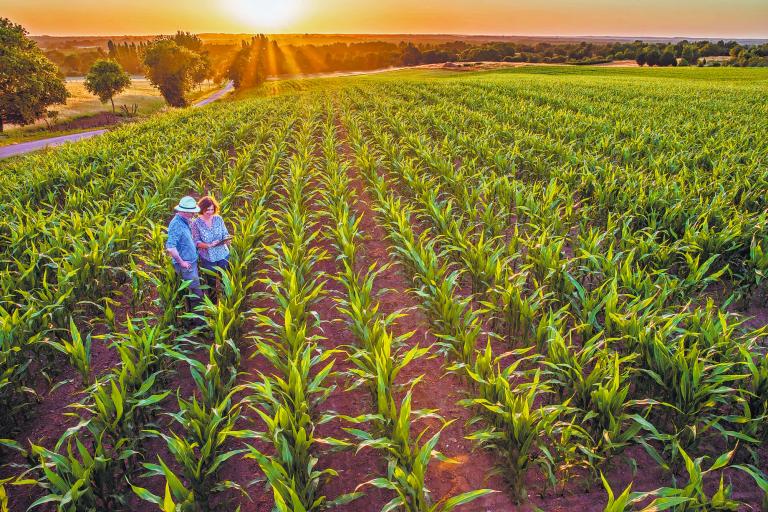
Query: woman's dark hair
x,y
206,203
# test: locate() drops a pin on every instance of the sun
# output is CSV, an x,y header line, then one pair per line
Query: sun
x,y
266,14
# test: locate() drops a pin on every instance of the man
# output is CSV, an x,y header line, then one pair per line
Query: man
x,y
182,248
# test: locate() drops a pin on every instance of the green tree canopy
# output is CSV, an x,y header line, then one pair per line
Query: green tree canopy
x,y
193,42
29,82
652,57
249,67
106,79
667,59
173,69
411,55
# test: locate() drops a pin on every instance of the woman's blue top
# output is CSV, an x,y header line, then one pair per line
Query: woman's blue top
x,y
201,232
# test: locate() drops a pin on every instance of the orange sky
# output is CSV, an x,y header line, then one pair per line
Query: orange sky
x,y
704,18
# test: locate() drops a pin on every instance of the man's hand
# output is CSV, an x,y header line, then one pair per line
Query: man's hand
x,y
174,253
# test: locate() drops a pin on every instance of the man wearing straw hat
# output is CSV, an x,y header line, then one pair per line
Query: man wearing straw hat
x,y
182,248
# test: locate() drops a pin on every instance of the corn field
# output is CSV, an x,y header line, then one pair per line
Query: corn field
x,y
536,289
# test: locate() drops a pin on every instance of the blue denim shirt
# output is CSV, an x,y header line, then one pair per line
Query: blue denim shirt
x,y
180,238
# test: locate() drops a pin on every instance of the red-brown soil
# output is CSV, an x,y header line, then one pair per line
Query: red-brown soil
x,y
354,468
438,389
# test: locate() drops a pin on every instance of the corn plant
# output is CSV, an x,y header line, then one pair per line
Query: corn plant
x,y
760,478
4,495
201,455
78,480
409,462
102,447
289,427
628,501
78,350
515,428
694,493
176,498
748,421
691,386
755,268
286,401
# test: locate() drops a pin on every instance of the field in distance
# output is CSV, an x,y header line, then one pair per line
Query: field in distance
x,y
528,289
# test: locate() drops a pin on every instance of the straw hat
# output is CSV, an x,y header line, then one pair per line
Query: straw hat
x,y
188,205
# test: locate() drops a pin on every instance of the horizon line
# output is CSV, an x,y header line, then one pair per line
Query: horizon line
x,y
435,34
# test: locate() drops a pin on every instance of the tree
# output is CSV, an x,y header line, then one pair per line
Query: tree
x,y
128,55
249,67
106,79
435,56
188,40
668,59
690,53
411,55
641,59
480,53
173,69
193,42
652,57
29,82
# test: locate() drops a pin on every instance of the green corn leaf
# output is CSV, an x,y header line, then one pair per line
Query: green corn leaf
x,y
461,499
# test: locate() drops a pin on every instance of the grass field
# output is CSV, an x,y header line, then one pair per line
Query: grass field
x,y
534,289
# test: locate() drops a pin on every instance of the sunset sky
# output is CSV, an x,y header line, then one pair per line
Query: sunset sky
x,y
703,18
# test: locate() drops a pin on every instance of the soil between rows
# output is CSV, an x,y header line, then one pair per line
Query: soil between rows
x,y
437,389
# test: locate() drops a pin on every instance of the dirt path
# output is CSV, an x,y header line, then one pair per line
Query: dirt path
x,y
228,87
36,145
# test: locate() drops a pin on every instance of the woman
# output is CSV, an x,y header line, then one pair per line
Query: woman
x,y
212,240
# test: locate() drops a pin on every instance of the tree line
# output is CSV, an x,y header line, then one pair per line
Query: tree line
x,y
654,54
360,56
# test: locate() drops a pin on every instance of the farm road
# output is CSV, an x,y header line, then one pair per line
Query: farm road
x,y
215,96
27,147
